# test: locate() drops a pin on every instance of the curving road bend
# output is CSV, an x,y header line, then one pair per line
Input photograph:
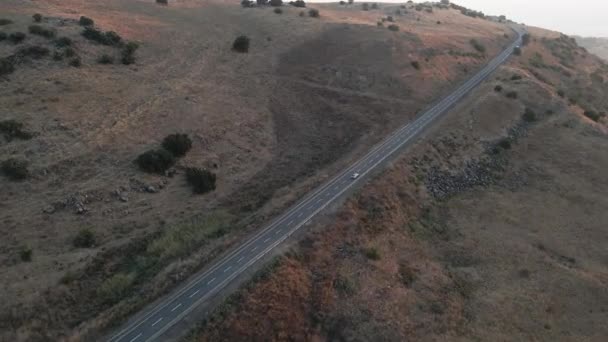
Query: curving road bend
x,y
177,305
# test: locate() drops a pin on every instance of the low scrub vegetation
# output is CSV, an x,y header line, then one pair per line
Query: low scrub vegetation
x,y
105,59
86,21
7,65
416,65
298,3
16,37
105,38
35,52
85,238
162,2
5,22
241,44
314,13
178,144
113,289
25,254
128,53
202,181
372,253
529,115
12,129
498,88
75,62
593,115
278,10
63,42
155,161
37,17
15,169
393,27
512,94
41,31
478,46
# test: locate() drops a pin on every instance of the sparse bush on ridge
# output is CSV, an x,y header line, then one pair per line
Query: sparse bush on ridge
x,y
201,180
313,12
3,36
85,238
276,3
155,161
365,6
241,44
128,53
593,115
178,144
41,31
37,17
15,169
278,10
105,38
86,21
162,2
247,3
16,37
69,52
517,51
113,289
561,93
7,66
525,39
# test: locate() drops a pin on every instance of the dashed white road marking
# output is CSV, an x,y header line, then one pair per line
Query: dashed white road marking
x,y
227,269
210,281
175,307
135,338
254,248
238,261
194,294
277,232
290,222
157,321
267,239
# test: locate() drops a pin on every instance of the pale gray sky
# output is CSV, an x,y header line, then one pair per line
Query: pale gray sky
x,y
580,17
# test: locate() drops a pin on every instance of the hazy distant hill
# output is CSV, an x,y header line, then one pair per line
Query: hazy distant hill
x,y
597,46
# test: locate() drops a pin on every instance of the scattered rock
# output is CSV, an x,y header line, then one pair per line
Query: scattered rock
x,y
49,209
151,189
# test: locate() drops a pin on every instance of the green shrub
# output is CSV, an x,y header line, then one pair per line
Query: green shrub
x,y
35,52
593,115
16,37
86,21
128,53
478,46
517,51
105,59
69,52
162,2
372,253
512,94
525,39
380,24
276,3
85,238
37,17
178,144
278,10
241,44
25,254
498,88
15,169
529,115
3,36
105,38
57,56
75,62
41,31
201,180
393,27
155,161
505,143
313,12
416,65
246,3
114,289
63,42
5,22
516,77
7,65
299,3
12,129
561,93
390,19
365,6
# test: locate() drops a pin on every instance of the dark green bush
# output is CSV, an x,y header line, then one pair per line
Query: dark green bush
x,y
85,238
478,46
241,44
278,10
16,37
41,31
372,253
516,77
517,51
525,39
374,6
498,88
57,56
35,52
69,52
512,94
276,3
7,65
75,62
593,115
313,12
416,65
155,161
393,27
162,2
299,3
246,3
25,254
561,93
529,115
505,143
63,42
86,21
178,144
15,169
105,59
5,22
201,180
37,17
105,38
390,18
128,53
12,129
3,36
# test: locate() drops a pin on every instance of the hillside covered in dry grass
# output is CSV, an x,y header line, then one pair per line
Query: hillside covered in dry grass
x,y
94,226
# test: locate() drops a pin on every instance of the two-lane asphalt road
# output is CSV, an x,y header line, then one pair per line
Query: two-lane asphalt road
x,y
159,319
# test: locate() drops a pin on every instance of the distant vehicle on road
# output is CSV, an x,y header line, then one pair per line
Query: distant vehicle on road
x,y
354,176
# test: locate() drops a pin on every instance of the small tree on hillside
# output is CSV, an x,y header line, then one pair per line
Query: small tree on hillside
x,y
241,44
299,3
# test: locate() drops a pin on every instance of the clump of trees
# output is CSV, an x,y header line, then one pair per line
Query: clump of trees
x,y
155,161
201,180
178,144
41,31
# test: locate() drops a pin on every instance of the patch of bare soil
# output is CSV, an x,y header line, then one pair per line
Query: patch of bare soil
x,y
491,228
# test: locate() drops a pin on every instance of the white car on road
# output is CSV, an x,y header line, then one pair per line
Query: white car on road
x,y
355,176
